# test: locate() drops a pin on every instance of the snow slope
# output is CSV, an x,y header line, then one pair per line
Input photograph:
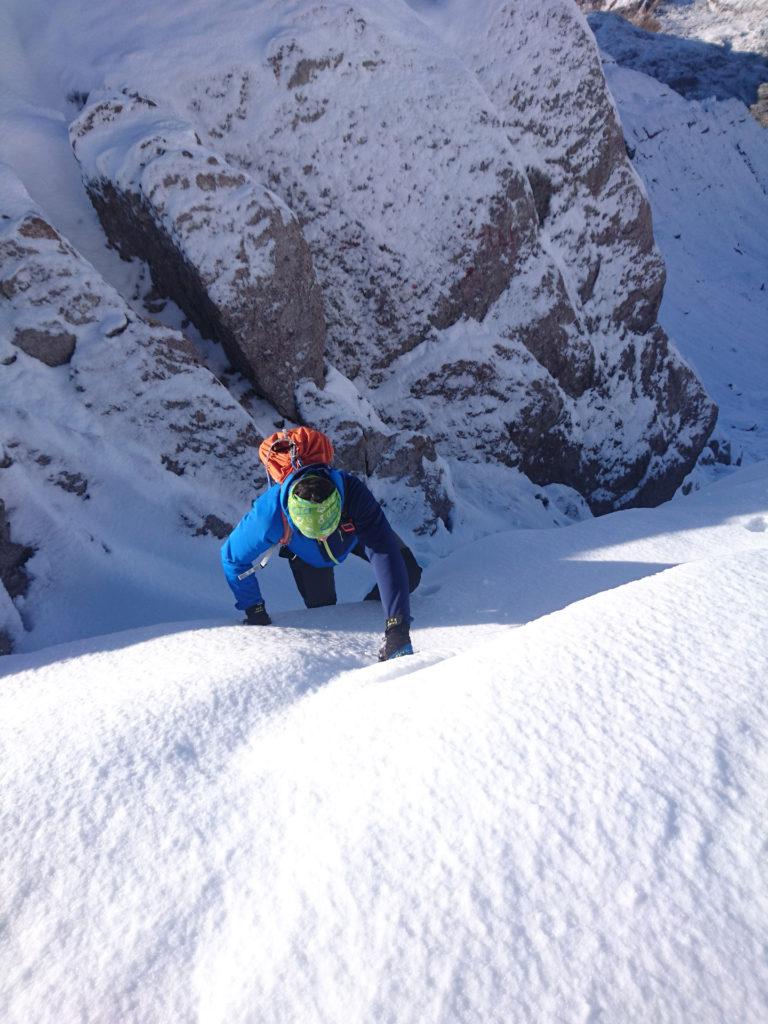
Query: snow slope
x,y
554,812
563,821
705,166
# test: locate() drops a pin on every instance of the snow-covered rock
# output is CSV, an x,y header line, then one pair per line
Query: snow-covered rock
x,y
706,170
132,421
392,153
227,250
14,580
387,149
644,416
759,110
400,136
232,255
593,210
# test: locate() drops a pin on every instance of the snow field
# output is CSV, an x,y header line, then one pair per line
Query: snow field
x,y
705,166
564,822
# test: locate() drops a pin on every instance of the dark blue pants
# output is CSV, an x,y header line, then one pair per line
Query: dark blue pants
x,y
318,586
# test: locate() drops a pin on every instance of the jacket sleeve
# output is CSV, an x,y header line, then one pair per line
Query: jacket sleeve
x,y
381,547
256,532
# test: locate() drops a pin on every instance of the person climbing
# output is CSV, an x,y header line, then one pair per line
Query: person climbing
x,y
316,518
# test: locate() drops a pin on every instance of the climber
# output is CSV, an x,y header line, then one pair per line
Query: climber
x,y
316,518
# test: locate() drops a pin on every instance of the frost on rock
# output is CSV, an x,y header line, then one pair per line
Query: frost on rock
x,y
385,146
123,368
131,410
226,249
483,248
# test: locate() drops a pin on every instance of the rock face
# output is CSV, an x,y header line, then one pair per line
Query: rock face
x,y
227,250
633,434
51,349
385,146
14,579
484,248
12,558
121,365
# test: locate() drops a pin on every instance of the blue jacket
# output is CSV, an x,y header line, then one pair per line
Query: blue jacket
x,y
362,519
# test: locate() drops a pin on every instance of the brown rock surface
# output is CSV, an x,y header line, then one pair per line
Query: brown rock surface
x,y
225,249
53,349
13,558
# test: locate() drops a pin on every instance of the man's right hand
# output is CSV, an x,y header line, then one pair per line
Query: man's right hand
x,y
257,615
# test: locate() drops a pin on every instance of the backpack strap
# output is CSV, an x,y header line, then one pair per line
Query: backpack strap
x,y
260,563
287,531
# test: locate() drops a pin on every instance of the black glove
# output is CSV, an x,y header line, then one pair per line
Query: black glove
x,y
397,639
256,615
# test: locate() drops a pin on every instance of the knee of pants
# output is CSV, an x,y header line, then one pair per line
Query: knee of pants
x,y
320,601
316,586
413,569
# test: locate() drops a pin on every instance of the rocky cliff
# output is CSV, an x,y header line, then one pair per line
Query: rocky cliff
x,y
595,221
484,250
227,250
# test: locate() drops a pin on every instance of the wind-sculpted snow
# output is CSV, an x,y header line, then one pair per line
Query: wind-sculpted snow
x,y
227,250
127,419
561,822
